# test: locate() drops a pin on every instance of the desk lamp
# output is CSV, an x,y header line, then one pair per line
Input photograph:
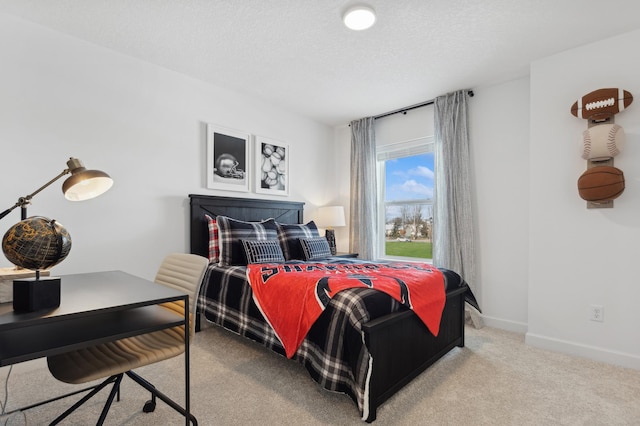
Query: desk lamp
x,y
82,185
328,217
40,243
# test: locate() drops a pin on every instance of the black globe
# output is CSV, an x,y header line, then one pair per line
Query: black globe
x,y
36,243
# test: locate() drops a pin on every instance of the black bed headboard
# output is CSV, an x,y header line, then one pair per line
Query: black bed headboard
x,y
237,208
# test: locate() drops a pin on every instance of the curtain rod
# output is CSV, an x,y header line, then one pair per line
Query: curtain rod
x,y
409,108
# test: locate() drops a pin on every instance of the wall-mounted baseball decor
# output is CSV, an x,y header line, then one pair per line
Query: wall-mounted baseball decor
x,y
601,183
601,142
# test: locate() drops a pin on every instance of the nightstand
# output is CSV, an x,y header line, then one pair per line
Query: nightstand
x,y
7,275
346,255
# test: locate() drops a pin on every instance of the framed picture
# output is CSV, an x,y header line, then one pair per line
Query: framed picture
x,y
272,166
227,159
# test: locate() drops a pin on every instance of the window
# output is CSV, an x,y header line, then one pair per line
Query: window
x,y
405,179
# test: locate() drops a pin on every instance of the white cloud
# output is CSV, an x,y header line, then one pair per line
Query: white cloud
x,y
422,171
413,187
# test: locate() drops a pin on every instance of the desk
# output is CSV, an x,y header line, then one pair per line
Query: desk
x,y
94,308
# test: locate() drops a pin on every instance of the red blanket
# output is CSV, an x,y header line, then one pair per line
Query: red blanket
x,y
292,296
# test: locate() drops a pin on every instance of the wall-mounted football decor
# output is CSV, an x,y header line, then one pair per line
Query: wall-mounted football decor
x,y
601,103
601,183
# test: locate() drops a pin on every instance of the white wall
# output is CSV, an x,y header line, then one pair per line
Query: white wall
x,y
499,135
142,124
397,128
580,257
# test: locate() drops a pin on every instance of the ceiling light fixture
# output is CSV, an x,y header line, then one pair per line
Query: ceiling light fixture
x,y
359,18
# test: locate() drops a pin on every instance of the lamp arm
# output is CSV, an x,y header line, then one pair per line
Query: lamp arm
x,y
23,201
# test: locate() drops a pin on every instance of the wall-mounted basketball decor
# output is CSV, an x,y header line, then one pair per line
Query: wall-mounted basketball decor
x,y
601,184
602,141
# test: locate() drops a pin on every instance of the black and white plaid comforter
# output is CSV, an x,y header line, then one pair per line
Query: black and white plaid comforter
x,y
333,351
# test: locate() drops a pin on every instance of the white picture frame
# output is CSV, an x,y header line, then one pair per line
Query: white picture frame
x,y
271,168
228,158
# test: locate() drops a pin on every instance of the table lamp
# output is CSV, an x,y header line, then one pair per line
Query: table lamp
x,y
330,217
40,243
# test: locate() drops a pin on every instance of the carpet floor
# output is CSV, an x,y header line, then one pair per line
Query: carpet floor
x,y
494,380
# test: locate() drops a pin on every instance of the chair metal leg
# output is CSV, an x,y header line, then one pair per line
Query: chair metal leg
x,y
156,393
57,398
116,386
115,389
150,405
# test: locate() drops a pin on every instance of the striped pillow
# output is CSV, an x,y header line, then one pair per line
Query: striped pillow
x,y
231,231
267,251
289,236
315,248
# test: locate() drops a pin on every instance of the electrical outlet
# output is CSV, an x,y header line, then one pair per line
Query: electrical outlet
x,y
596,313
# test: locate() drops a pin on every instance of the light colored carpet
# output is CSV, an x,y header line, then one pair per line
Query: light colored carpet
x,y
495,380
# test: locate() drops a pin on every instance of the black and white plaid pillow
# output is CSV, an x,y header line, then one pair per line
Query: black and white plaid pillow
x,y
289,236
267,251
231,231
315,248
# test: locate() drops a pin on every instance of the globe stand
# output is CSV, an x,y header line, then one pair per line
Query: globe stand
x,y
34,294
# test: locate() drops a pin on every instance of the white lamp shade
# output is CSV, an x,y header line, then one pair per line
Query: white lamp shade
x,y
330,216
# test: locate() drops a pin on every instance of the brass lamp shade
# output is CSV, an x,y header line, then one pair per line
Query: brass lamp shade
x,y
84,184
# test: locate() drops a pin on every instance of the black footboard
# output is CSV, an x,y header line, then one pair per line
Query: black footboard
x,y
402,347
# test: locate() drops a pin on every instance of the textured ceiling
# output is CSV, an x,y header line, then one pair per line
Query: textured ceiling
x,y
298,55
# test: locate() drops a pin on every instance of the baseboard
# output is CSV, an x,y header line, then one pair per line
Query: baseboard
x,y
584,351
502,324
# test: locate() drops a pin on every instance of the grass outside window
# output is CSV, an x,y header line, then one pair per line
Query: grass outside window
x,y
420,249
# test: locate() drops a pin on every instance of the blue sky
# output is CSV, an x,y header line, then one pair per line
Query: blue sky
x,y
409,178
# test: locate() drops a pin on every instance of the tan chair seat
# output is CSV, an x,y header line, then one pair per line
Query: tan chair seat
x,y
108,359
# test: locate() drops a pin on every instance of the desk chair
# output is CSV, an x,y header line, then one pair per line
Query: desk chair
x,y
114,359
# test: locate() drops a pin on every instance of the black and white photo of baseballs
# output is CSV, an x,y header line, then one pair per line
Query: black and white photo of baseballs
x,y
273,167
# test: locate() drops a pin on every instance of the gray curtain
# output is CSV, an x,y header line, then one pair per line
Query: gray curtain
x,y
453,234
364,204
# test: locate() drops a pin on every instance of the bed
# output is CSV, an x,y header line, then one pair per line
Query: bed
x,y
364,344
